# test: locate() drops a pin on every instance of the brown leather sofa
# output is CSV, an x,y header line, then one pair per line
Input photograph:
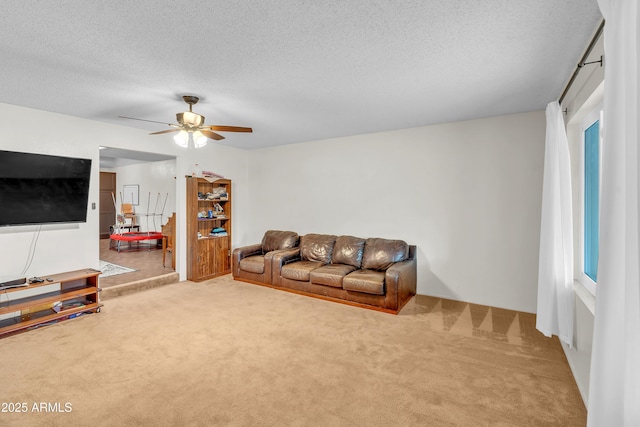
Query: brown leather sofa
x,y
374,273
253,263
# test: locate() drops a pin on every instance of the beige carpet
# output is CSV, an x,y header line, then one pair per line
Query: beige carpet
x,y
229,353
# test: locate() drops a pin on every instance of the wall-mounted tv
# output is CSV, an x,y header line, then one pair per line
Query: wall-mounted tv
x,y
43,189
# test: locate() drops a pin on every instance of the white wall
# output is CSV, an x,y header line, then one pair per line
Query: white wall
x,y
468,194
157,191
59,247
69,247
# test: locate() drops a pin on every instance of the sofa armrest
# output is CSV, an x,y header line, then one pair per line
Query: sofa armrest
x,y
268,261
244,252
281,258
401,280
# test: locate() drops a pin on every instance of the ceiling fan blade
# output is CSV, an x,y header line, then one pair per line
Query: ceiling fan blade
x,y
230,129
145,120
164,131
212,135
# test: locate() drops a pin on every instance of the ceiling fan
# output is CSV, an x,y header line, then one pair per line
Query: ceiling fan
x,y
191,127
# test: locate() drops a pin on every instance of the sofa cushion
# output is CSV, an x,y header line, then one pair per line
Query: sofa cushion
x,y
299,270
330,274
253,264
367,281
379,254
274,240
317,247
348,250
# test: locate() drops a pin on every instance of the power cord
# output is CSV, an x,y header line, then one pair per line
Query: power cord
x,y
32,250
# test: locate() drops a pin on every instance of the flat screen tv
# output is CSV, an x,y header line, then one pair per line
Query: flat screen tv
x,y
43,189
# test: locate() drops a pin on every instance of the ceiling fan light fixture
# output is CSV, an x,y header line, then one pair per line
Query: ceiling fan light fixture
x,y
182,139
199,140
190,119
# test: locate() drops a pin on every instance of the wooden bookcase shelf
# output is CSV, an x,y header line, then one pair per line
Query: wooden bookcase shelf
x,y
208,255
73,293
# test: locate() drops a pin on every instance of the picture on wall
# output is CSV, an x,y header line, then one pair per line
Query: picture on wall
x,y
130,194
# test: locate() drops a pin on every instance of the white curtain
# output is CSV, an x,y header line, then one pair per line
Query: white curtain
x,y
614,389
555,271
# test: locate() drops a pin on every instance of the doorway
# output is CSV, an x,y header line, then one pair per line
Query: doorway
x,y
154,176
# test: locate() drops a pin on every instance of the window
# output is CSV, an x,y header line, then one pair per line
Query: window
x,y
591,215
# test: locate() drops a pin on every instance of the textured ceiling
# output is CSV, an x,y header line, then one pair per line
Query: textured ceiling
x,y
294,70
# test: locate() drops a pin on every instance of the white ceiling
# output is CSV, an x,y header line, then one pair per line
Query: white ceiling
x,y
294,70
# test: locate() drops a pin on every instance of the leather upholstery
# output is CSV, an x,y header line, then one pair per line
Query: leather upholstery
x,y
299,270
253,264
378,273
380,254
367,281
331,274
274,240
348,250
317,247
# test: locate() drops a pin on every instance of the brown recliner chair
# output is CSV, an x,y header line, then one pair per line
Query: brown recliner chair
x,y
253,263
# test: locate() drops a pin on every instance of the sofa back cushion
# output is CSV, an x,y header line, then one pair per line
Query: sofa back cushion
x,y
317,247
379,254
274,240
348,250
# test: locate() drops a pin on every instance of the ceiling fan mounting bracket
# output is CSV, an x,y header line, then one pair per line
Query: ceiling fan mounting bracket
x,y
191,100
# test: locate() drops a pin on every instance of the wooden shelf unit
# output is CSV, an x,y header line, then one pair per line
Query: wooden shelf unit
x,y
208,256
74,286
